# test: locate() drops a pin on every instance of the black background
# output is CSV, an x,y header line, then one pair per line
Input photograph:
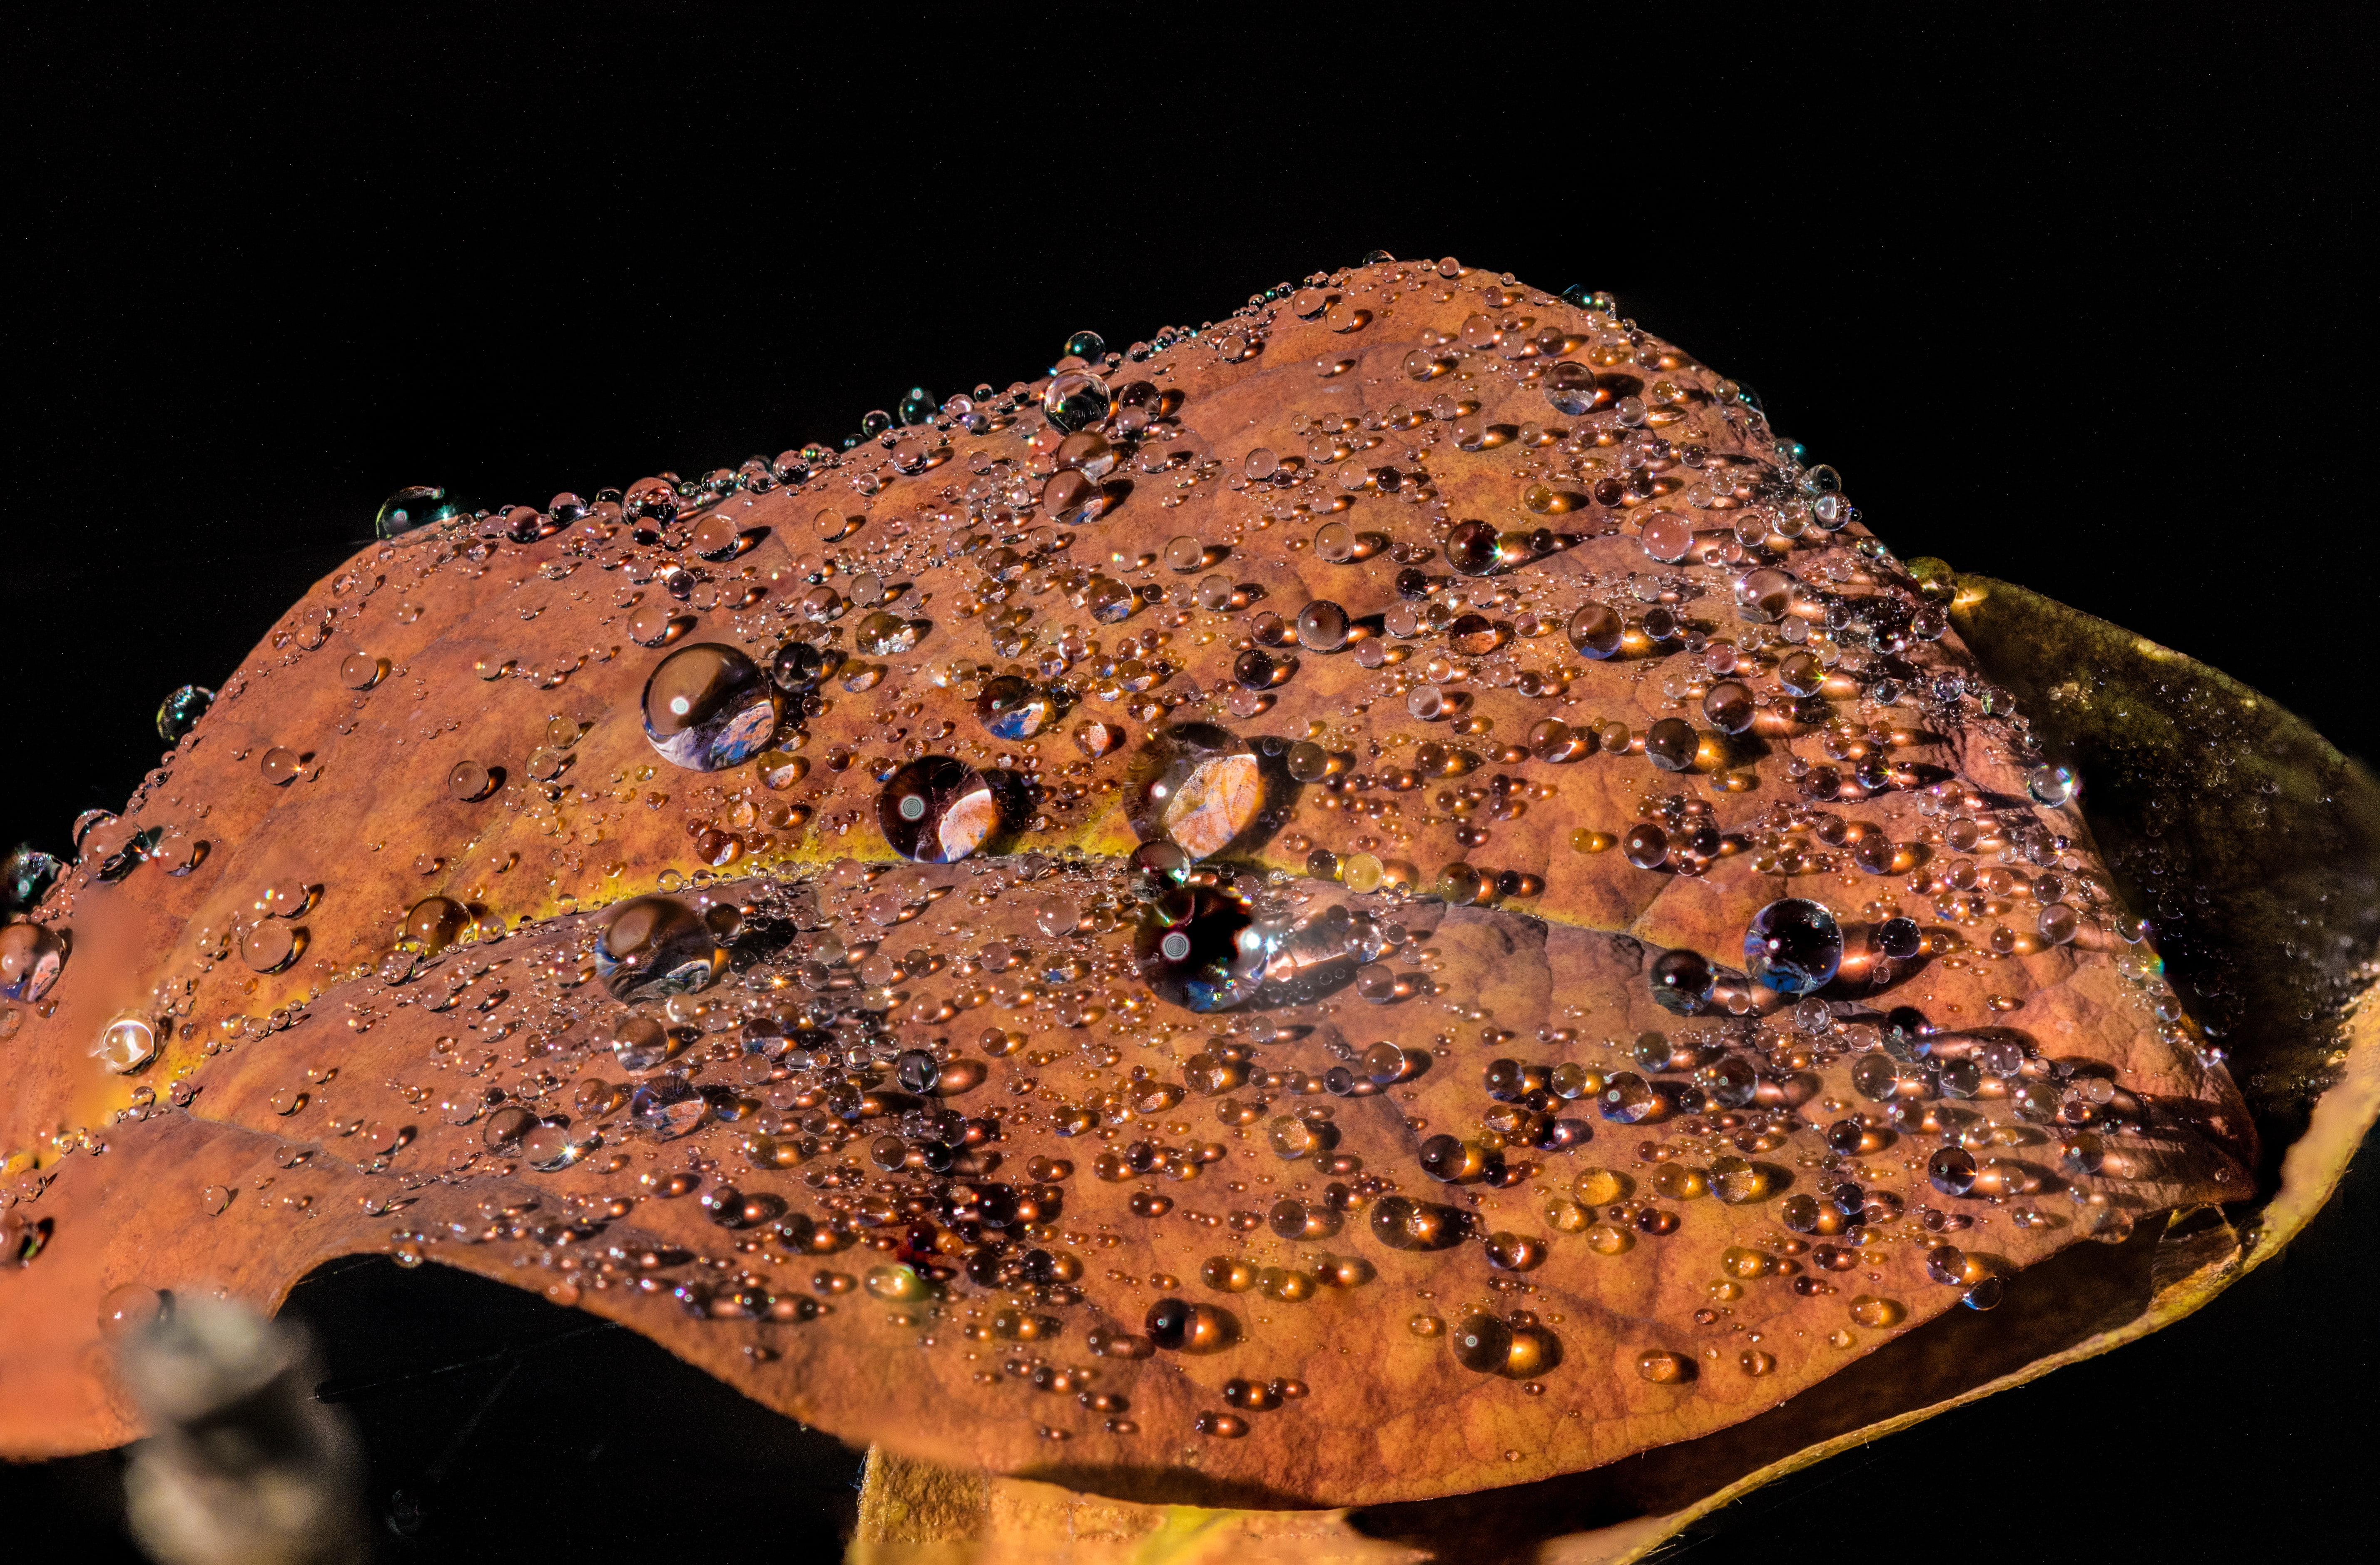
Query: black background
x,y
2065,297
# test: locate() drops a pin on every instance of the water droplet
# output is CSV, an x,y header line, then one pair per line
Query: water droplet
x,y
1663,1367
126,1043
1210,790
1013,708
1670,744
1595,630
30,958
1185,1327
937,810
436,922
127,1311
179,713
2051,786
1646,845
656,946
1472,549
280,765
1763,596
668,1107
1076,400
706,708
1201,949
271,946
1665,537
418,506
1322,626
1682,982
1627,1097
1794,946
1869,1310
1570,386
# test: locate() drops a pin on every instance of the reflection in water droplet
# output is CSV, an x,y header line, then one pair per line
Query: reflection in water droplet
x,y
31,957
418,506
641,1044
1794,946
885,636
280,764
1201,949
1013,708
668,1107
270,946
706,708
436,922
126,1043
179,713
1472,549
1594,630
655,946
1670,744
2051,786
1074,401
937,810
798,666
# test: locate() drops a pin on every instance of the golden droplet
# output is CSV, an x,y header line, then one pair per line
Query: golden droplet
x,y
1680,1183
1564,1214
1663,1367
1600,1187
1738,1182
1869,1310
1739,1262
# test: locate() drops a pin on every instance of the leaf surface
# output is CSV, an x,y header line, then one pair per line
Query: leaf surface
x,y
1012,1297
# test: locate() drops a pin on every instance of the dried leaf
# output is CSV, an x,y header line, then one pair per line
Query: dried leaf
x,y
1246,1285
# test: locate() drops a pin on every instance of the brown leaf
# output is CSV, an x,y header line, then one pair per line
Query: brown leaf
x,y
1183,1312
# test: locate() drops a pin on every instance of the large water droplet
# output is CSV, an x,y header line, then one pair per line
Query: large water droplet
x,y
656,946
179,713
126,1043
1013,708
436,922
1682,981
1201,949
708,707
1794,946
418,505
937,810
1206,789
25,874
2051,786
1075,401
31,956
668,1107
